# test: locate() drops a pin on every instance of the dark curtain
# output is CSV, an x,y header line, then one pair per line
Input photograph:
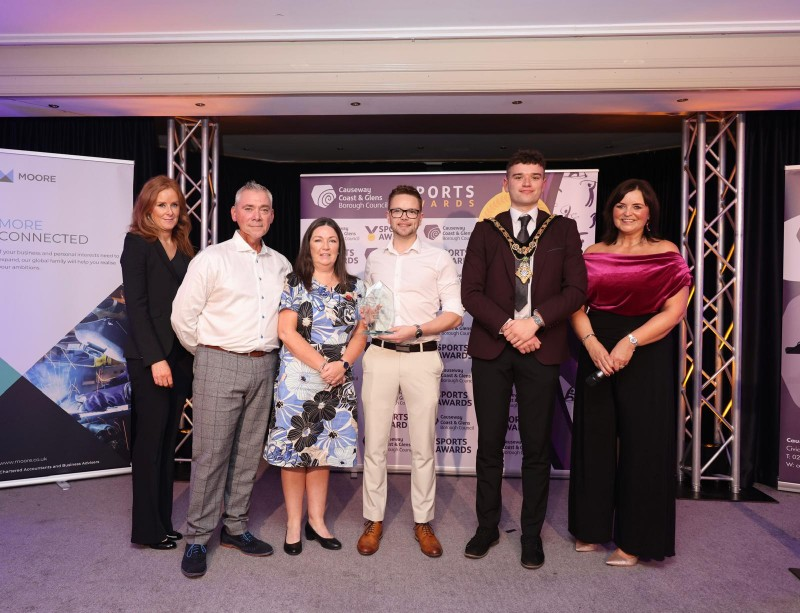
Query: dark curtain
x,y
772,141
128,138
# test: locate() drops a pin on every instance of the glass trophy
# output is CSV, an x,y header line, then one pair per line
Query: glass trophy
x,y
377,309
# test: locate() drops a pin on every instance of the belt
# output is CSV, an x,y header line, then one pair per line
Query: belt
x,y
250,354
416,348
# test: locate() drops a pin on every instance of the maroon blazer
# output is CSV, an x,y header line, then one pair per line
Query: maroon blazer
x,y
487,286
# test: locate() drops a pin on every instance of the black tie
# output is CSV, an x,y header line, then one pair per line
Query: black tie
x,y
521,289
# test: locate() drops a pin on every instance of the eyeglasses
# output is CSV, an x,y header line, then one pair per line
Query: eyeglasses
x,y
410,213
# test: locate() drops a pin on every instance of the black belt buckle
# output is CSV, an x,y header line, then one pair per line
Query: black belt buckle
x,y
403,348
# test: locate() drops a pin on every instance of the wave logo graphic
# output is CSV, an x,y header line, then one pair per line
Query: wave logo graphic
x,y
432,231
7,177
323,195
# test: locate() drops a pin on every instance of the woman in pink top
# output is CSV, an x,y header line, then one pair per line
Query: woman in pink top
x,y
622,483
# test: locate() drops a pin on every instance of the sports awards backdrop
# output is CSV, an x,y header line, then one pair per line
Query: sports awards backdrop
x,y
789,447
452,204
64,388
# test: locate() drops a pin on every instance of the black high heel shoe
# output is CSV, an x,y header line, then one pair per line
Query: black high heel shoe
x,y
293,549
327,543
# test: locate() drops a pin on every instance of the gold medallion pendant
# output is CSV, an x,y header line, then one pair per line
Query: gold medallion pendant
x,y
524,272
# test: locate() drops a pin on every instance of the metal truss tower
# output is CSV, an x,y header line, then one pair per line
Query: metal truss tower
x,y
188,139
709,420
187,136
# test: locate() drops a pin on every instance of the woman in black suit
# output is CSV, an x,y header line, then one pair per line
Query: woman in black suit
x,y
154,261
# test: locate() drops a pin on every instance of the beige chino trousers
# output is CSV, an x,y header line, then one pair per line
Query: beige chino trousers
x,y
416,376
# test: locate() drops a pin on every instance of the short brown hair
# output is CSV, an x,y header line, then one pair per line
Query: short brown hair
x,y
526,156
408,190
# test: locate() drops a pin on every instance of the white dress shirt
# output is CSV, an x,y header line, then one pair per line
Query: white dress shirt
x,y
230,298
515,215
424,280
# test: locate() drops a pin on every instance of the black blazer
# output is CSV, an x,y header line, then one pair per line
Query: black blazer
x,y
150,284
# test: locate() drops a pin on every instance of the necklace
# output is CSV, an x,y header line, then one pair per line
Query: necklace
x,y
523,252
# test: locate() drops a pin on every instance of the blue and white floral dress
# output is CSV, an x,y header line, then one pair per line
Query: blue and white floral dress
x,y
312,424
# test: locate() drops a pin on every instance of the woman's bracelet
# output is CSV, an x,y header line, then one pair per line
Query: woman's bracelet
x,y
320,369
583,340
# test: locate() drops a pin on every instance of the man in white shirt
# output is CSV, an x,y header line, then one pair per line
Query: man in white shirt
x,y
226,314
427,302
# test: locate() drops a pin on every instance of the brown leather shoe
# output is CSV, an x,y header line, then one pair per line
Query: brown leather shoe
x,y
371,538
428,543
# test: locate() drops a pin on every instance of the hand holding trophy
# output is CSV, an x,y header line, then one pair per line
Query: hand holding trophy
x,y
377,309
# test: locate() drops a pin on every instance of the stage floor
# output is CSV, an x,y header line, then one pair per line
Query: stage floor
x,y
70,551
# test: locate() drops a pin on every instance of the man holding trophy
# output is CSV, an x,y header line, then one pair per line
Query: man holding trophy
x,y
415,295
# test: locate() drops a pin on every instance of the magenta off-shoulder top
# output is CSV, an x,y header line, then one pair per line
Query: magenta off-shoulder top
x,y
634,284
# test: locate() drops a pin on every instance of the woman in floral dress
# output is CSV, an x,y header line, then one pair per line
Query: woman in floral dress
x,y
314,425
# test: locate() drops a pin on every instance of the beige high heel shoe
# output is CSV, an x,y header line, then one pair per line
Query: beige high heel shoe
x,y
582,547
620,558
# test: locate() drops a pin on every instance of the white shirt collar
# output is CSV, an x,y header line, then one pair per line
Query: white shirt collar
x,y
515,215
416,246
242,245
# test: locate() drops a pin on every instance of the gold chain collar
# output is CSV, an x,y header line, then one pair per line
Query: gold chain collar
x,y
518,250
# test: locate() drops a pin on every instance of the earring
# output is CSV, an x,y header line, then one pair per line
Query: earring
x,y
647,225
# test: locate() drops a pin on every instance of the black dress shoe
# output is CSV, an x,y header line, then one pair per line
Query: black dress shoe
x,y
165,544
479,544
174,535
194,561
327,543
532,552
246,543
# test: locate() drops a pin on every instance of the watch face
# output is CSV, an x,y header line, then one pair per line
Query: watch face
x,y
633,339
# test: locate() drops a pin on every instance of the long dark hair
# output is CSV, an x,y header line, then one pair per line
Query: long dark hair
x,y
142,223
650,199
304,266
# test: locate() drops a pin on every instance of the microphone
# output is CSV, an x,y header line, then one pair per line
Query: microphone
x,y
595,378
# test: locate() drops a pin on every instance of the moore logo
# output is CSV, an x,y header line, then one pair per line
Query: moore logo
x,y
31,177
432,231
323,195
7,177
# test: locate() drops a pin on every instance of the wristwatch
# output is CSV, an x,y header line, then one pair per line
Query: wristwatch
x,y
346,364
633,340
418,333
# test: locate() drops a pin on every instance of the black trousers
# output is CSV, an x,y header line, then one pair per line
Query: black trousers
x,y
623,470
155,412
535,384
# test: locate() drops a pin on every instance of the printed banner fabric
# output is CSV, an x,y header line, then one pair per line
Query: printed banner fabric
x,y
452,204
789,446
64,388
